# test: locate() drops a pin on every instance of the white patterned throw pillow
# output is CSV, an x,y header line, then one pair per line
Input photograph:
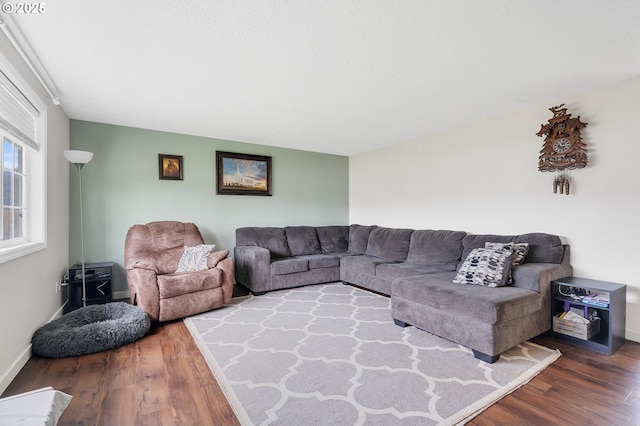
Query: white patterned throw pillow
x,y
485,267
194,258
519,251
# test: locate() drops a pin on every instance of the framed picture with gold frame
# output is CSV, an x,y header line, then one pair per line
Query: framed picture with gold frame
x,y
170,167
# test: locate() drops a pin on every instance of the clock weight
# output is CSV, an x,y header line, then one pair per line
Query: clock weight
x,y
561,183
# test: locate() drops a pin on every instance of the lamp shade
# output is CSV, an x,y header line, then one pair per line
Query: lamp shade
x,y
78,157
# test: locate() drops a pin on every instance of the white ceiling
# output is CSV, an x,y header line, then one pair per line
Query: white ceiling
x,y
333,76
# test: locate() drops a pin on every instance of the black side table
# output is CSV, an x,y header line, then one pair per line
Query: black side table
x,y
613,317
99,278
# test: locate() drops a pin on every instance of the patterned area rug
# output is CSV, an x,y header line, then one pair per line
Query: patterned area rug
x,y
331,355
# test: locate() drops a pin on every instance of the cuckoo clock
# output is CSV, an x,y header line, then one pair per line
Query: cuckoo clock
x,y
563,149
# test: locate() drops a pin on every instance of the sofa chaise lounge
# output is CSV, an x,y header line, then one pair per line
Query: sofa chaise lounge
x,y
417,269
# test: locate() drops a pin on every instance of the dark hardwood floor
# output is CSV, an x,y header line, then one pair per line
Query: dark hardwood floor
x,y
582,387
162,379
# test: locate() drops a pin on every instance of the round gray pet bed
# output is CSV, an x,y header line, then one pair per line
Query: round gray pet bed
x,y
94,328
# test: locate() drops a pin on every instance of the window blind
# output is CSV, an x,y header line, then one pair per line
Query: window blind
x,y
17,113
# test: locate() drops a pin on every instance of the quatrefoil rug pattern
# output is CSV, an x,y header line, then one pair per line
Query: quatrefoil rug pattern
x,y
331,355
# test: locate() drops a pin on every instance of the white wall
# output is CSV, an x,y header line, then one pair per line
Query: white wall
x,y
483,178
27,284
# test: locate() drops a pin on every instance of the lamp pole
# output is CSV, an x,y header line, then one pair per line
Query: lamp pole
x,y
79,159
84,282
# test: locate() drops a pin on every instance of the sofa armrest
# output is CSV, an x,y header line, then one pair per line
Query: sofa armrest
x,y
253,267
538,276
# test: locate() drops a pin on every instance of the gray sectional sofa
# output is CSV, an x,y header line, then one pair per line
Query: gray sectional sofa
x,y
417,269
276,258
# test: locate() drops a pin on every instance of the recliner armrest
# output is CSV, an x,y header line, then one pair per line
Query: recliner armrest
x,y
143,286
217,256
226,265
147,264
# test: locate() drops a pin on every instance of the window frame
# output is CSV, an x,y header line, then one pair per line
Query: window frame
x,y
23,173
34,167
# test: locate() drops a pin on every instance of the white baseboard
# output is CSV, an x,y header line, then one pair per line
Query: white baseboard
x,y
632,335
120,295
11,373
15,368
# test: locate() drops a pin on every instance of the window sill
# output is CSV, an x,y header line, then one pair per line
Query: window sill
x,y
14,252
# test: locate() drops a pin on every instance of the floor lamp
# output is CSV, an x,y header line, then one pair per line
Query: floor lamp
x,y
80,158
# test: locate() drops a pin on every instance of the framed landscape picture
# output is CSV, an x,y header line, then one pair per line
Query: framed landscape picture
x,y
170,167
243,174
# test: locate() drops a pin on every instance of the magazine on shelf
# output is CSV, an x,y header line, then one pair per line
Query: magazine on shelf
x,y
597,299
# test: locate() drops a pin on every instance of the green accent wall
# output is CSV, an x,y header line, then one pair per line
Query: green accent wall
x,y
121,187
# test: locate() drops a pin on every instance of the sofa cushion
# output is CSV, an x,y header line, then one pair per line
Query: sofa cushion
x,y
302,240
365,264
389,243
435,248
273,239
359,237
333,239
543,248
471,242
289,266
485,267
484,304
321,261
405,269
